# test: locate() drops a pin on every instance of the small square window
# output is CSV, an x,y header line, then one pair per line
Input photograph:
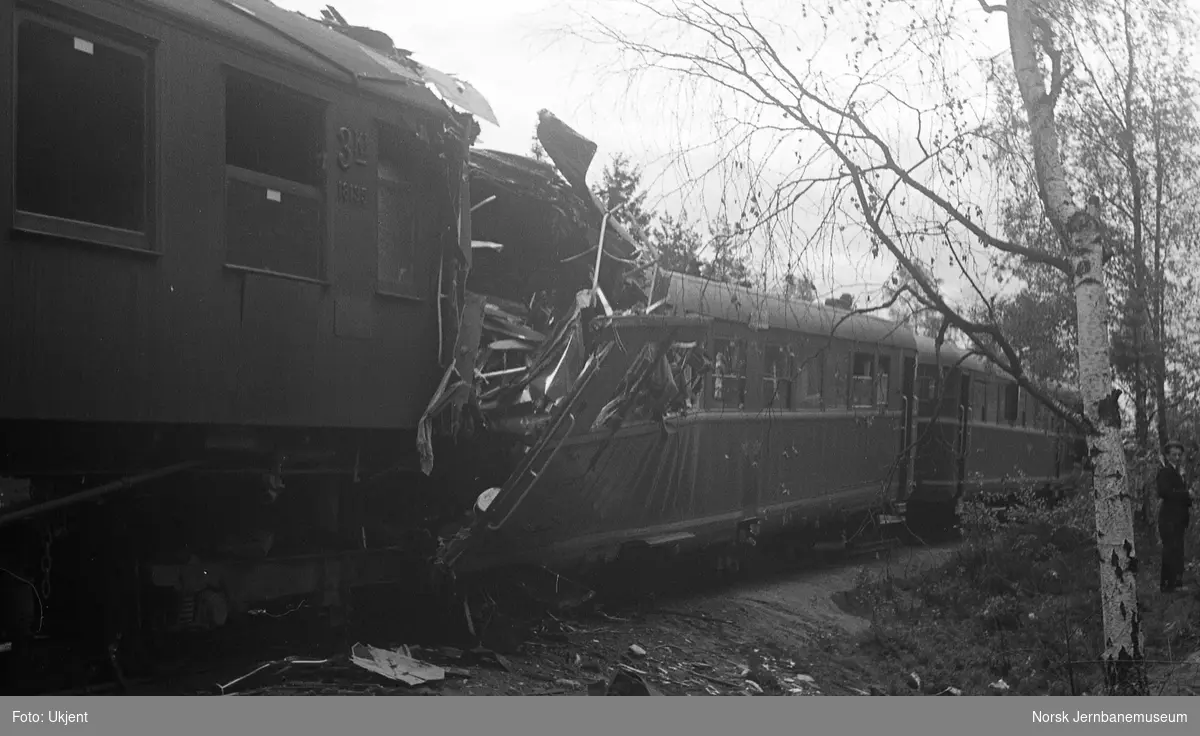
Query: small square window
x,y
810,377
862,380
979,403
777,377
273,195
729,373
882,381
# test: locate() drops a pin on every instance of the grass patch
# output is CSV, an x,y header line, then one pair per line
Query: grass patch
x,y
1020,604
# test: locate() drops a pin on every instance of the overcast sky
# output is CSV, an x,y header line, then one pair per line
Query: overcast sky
x,y
512,52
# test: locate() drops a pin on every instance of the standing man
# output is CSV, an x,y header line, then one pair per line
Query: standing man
x,y
1173,516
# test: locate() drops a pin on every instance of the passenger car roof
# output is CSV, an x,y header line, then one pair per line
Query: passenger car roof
x,y
309,43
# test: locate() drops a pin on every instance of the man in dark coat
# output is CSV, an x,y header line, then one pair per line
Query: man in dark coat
x,y
1173,516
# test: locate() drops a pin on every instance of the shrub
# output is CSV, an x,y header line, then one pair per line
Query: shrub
x,y
1018,601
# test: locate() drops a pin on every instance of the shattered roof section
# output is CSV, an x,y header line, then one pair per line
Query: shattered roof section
x,y
460,93
573,154
320,48
547,220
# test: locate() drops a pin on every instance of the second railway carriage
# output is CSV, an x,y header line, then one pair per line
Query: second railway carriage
x,y
722,417
728,416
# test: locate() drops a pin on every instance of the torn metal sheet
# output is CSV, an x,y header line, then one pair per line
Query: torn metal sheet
x,y
459,93
403,71
397,664
424,426
570,151
466,347
512,345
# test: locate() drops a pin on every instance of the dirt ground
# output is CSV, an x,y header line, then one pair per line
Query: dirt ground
x,y
777,634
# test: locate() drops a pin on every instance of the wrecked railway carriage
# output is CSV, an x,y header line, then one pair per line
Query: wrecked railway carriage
x,y
234,260
720,417
238,249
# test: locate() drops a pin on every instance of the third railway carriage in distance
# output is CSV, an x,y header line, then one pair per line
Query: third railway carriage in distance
x,y
978,432
726,416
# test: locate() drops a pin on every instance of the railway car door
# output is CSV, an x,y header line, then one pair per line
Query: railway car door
x,y
964,432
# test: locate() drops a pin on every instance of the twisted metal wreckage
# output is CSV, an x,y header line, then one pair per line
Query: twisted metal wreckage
x,y
542,298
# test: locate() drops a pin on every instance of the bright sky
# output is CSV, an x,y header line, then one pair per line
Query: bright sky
x,y
507,50
513,54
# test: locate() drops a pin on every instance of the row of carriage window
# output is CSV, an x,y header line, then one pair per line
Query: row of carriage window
x,y
794,377
990,401
85,163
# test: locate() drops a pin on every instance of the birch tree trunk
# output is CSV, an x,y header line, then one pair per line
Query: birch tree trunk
x,y
1031,39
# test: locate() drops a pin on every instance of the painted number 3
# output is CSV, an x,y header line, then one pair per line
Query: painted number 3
x,y
352,147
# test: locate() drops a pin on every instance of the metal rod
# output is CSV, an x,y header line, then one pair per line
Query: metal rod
x,y
477,206
599,254
93,493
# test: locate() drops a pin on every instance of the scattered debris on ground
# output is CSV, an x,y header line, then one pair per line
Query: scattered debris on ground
x,y
756,638
396,664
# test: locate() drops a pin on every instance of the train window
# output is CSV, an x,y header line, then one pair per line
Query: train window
x,y
273,195
927,389
979,401
687,360
397,223
862,380
729,373
1011,398
926,386
810,380
1039,420
882,386
82,149
777,376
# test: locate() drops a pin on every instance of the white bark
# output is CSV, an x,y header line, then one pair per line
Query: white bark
x,y
1114,505
1079,229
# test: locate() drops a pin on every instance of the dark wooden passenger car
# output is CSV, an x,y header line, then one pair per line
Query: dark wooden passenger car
x,y
792,421
226,228
796,422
